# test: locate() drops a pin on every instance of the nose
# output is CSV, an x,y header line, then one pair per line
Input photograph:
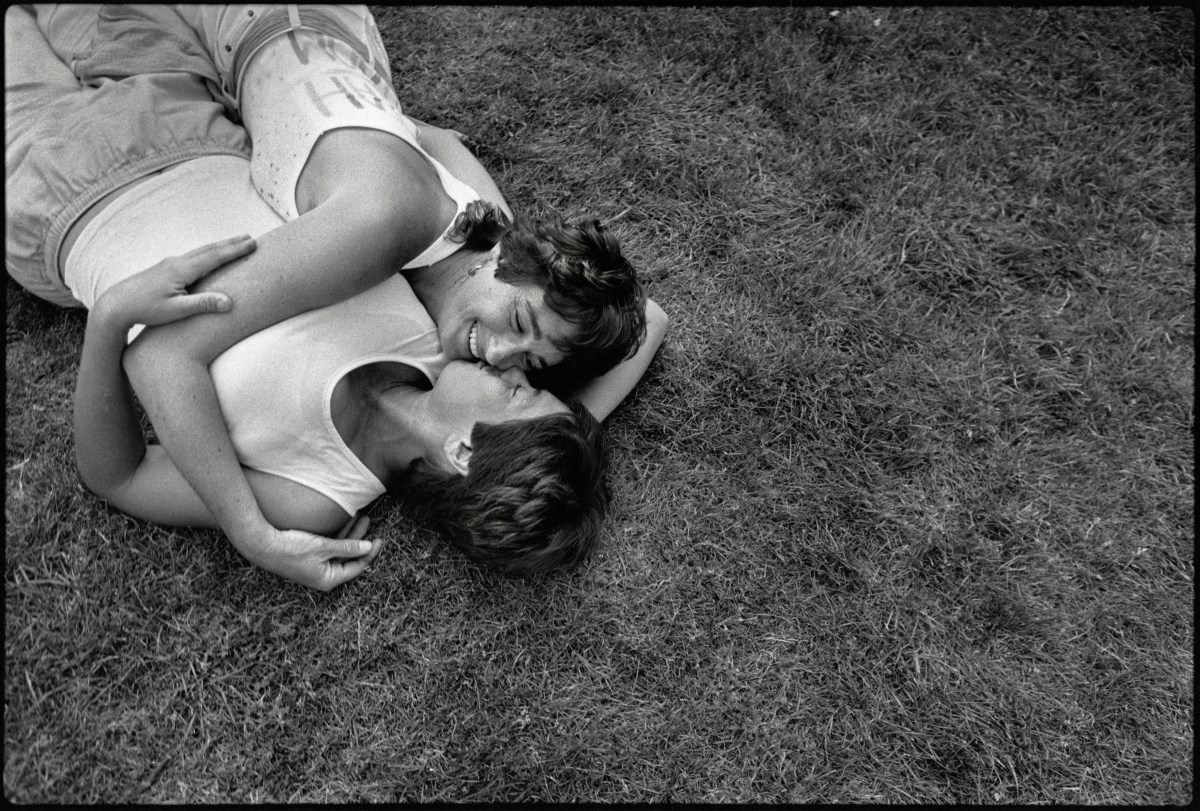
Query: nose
x,y
515,375
503,353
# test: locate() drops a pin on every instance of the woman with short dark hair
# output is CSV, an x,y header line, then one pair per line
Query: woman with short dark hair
x,y
89,201
508,473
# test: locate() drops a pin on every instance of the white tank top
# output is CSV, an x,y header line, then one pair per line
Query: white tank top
x,y
303,85
275,386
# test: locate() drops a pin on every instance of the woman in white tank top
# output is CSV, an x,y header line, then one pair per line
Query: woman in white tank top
x,y
356,170
509,473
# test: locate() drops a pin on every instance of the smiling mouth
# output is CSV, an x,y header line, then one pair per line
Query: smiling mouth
x,y
473,340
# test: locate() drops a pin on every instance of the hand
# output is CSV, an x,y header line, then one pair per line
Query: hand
x,y
159,294
424,128
318,562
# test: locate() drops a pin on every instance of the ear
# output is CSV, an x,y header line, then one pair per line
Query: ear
x,y
458,453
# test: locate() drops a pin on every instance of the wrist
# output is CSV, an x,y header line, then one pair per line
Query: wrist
x,y
107,315
253,538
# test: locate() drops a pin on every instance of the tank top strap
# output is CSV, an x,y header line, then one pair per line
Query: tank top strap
x,y
462,195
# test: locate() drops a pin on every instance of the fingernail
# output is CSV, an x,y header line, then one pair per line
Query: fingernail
x,y
364,547
223,305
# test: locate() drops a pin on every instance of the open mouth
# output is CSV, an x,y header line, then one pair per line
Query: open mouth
x,y
473,340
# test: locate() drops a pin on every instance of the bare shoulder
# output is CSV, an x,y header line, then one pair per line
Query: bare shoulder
x,y
378,166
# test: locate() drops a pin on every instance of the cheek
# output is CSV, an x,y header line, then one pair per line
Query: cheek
x,y
494,315
478,406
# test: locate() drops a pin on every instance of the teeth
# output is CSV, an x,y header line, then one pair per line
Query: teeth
x,y
473,340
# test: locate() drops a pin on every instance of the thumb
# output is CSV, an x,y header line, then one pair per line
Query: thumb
x,y
201,303
356,548
349,549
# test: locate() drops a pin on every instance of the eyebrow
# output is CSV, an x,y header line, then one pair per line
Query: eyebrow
x,y
533,322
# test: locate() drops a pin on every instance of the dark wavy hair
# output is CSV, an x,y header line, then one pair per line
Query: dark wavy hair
x,y
533,498
480,226
586,279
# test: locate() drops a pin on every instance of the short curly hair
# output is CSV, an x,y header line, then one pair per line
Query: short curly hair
x,y
480,226
533,499
586,279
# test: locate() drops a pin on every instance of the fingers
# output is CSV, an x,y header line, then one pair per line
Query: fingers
x,y
350,549
377,547
208,258
345,570
229,244
325,563
202,303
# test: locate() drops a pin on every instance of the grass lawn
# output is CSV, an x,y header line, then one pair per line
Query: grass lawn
x,y
903,509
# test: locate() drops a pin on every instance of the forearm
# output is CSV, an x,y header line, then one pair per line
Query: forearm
x,y
296,267
601,395
146,482
181,401
109,444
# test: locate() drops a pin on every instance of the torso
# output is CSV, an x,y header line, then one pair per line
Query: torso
x,y
91,213
286,412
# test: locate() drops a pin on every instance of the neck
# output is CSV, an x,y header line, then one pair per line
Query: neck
x,y
397,428
434,283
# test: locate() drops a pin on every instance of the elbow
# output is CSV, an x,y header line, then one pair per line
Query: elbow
x,y
149,359
88,478
657,321
656,316
95,481
138,359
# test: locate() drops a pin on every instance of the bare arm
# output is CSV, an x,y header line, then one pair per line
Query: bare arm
x,y
115,463
109,445
348,241
601,395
